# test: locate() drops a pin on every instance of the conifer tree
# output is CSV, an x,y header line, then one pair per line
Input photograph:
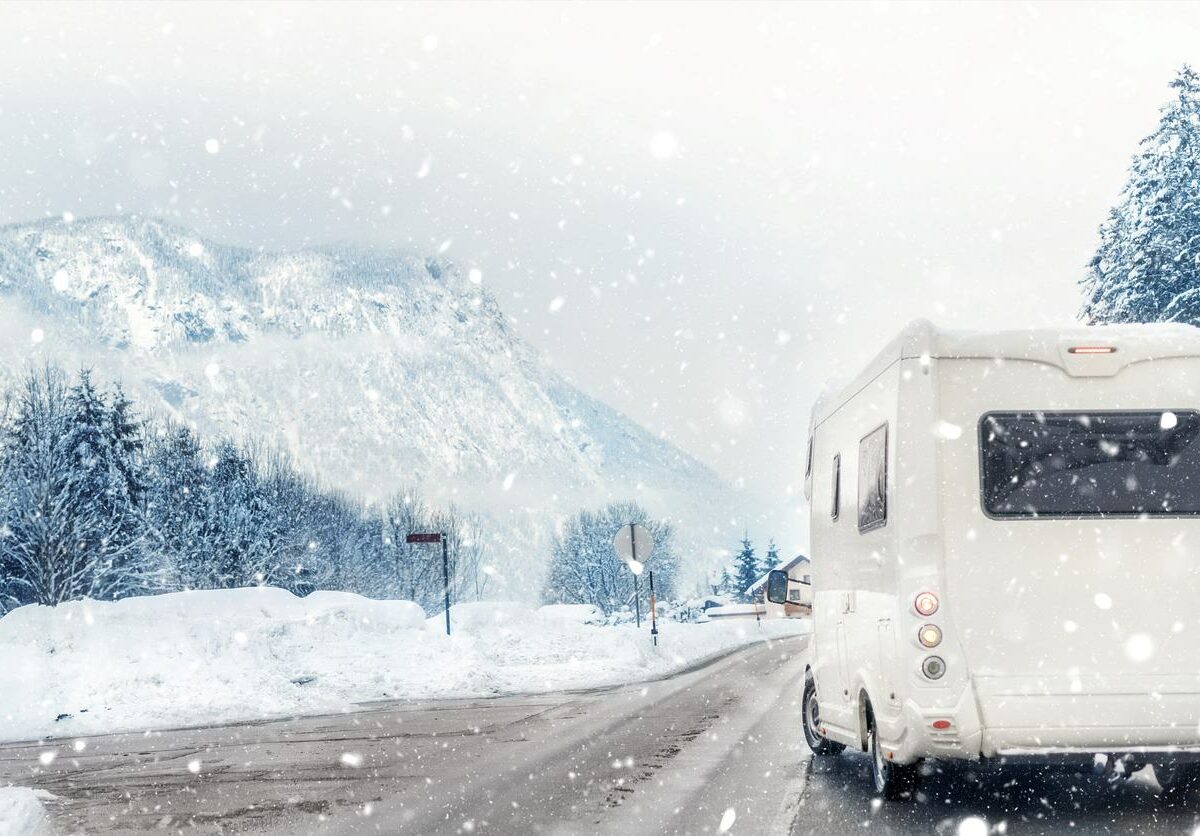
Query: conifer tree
x,y
770,559
745,569
1147,266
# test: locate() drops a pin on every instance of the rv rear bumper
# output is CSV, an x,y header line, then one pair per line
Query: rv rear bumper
x,y
992,719
1130,714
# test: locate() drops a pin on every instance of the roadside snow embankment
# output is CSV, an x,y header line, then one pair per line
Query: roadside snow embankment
x,y
199,658
22,814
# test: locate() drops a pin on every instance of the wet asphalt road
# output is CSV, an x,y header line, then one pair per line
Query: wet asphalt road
x,y
672,756
970,800
719,745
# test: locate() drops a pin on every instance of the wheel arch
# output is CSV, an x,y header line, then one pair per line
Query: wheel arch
x,y
866,716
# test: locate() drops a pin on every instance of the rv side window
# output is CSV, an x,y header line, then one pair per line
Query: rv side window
x,y
872,480
836,505
1090,464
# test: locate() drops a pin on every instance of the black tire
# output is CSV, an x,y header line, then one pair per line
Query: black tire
x,y
892,781
1178,780
812,724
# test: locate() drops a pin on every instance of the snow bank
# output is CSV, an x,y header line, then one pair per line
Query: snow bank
x,y
21,813
198,658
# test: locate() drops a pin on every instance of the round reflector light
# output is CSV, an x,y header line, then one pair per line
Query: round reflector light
x,y
934,667
930,635
926,603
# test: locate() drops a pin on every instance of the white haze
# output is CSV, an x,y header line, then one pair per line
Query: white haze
x,y
699,213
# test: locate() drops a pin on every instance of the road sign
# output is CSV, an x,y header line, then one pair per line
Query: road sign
x,y
634,544
437,537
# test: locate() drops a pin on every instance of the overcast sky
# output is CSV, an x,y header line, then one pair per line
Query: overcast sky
x,y
699,213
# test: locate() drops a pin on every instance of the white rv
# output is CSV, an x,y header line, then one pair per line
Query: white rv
x,y
1006,548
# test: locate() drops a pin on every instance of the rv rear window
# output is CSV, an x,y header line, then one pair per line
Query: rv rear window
x,y
872,480
1090,464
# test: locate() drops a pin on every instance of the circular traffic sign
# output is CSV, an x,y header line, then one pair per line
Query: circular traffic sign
x,y
634,544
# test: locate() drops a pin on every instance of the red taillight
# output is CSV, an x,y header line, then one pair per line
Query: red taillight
x,y
1091,349
941,725
926,603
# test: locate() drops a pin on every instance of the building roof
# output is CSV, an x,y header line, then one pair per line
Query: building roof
x,y
786,566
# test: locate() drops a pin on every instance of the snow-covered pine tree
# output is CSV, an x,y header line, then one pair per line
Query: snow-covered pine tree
x,y
1147,266
107,520
61,522
177,507
745,569
233,521
770,559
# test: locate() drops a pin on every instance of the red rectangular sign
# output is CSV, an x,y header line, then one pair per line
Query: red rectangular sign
x,y
423,538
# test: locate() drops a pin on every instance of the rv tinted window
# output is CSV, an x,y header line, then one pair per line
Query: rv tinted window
x,y
1090,464
872,480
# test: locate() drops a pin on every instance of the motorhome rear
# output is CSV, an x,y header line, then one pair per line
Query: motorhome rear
x,y
1005,536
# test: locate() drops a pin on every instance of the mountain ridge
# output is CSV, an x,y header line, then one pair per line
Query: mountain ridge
x,y
375,369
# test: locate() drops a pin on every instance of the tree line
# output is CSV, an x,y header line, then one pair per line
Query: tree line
x,y
98,502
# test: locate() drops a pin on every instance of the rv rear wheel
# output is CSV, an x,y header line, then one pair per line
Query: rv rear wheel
x,y
1177,779
812,724
892,781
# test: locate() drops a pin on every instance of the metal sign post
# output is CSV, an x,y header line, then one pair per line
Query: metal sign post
x,y
633,561
434,537
634,544
653,612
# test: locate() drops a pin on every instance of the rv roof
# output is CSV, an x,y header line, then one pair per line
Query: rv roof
x,y
1120,345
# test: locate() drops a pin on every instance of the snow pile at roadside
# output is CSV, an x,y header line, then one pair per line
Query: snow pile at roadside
x,y
197,658
21,813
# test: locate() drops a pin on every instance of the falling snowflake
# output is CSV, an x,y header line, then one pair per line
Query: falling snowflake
x,y
663,145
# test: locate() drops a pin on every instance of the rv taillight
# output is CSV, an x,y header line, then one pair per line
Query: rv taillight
x,y
926,603
1091,349
941,725
930,635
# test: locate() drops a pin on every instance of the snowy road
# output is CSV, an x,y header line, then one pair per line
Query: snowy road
x,y
666,756
960,802
717,745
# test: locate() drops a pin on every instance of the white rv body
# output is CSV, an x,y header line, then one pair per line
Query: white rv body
x,y
1061,635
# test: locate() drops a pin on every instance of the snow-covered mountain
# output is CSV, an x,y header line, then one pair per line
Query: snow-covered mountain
x,y
377,370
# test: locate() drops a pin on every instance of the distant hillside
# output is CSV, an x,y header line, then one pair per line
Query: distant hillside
x,y
376,370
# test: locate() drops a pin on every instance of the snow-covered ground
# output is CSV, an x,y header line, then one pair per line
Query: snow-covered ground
x,y
197,658
21,813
